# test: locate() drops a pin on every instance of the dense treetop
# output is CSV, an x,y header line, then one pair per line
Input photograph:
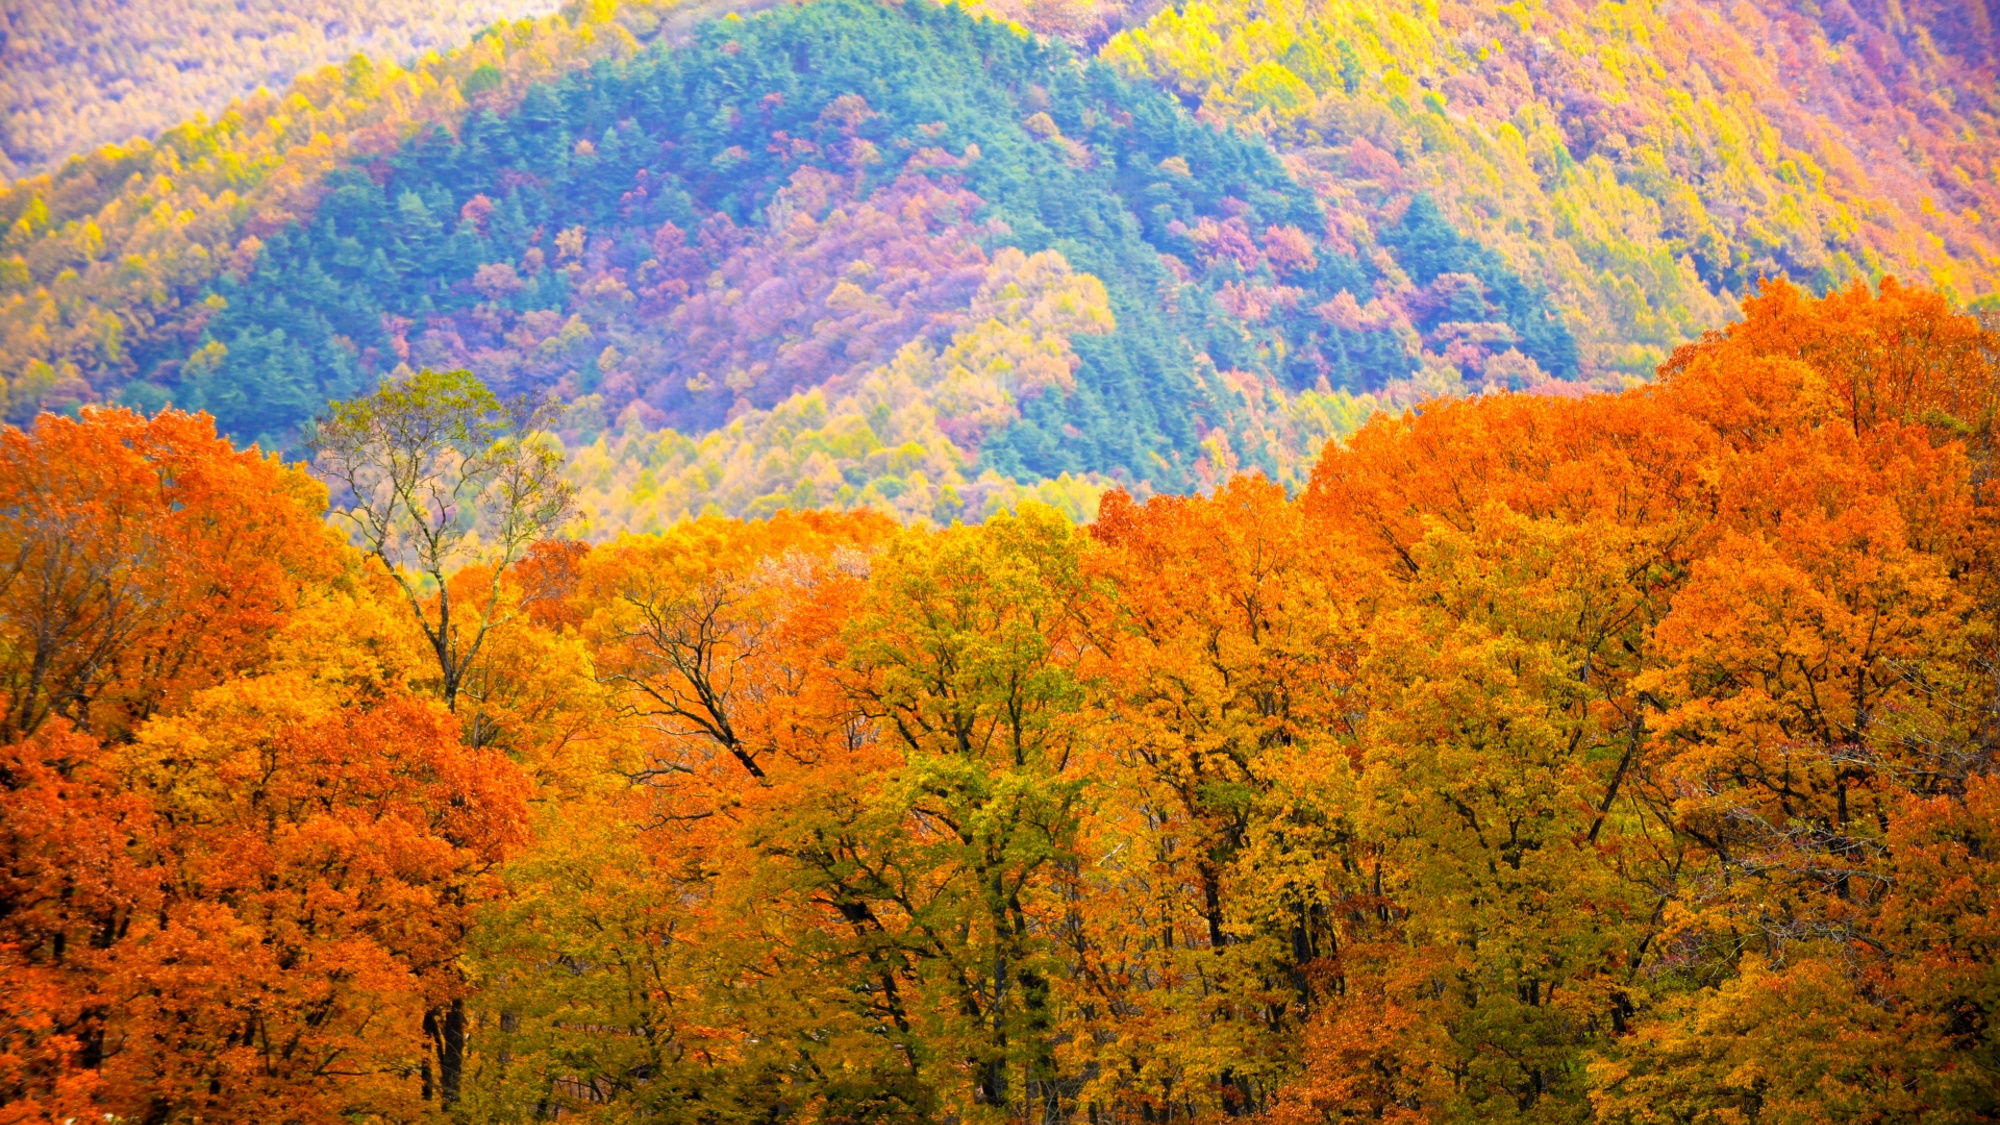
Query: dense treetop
x,y
1616,759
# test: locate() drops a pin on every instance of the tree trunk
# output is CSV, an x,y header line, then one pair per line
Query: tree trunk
x,y
451,1054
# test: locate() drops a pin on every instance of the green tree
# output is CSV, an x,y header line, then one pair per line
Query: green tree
x,y
444,482
969,645
440,476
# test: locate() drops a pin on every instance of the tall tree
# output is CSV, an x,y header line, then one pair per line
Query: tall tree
x,y
439,475
968,654
439,478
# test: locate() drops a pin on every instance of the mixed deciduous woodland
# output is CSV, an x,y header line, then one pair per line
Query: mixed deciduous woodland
x,y
1042,561
1627,757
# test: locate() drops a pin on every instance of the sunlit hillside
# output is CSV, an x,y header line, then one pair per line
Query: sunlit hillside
x,y
765,216
1295,213
1649,161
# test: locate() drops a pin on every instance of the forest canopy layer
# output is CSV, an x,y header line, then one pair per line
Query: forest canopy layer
x,y
1622,758
1015,561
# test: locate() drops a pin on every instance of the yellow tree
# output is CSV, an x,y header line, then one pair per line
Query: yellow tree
x,y
437,476
1514,555
1224,875
966,655
642,961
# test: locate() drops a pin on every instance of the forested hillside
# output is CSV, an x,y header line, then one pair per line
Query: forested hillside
x,y
76,74
1146,249
1646,161
772,219
783,210
1626,758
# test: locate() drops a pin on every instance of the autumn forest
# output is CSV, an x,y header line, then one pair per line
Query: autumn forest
x,y
869,562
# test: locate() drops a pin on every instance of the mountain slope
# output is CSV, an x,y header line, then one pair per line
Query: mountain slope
x,y
796,199
1221,240
1647,161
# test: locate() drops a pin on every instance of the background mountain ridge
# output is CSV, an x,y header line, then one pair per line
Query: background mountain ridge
x,y
1296,214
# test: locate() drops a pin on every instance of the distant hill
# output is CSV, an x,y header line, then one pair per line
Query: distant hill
x,y
897,256
75,74
785,207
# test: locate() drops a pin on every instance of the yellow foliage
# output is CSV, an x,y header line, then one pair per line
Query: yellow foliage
x,y
901,439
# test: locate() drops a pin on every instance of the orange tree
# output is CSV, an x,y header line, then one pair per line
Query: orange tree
x,y
1670,699
240,851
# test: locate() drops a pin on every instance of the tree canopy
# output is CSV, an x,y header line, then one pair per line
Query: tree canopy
x,y
1621,758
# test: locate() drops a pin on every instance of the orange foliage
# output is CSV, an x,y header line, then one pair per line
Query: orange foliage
x,y
237,861
1738,617
145,559
1627,758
